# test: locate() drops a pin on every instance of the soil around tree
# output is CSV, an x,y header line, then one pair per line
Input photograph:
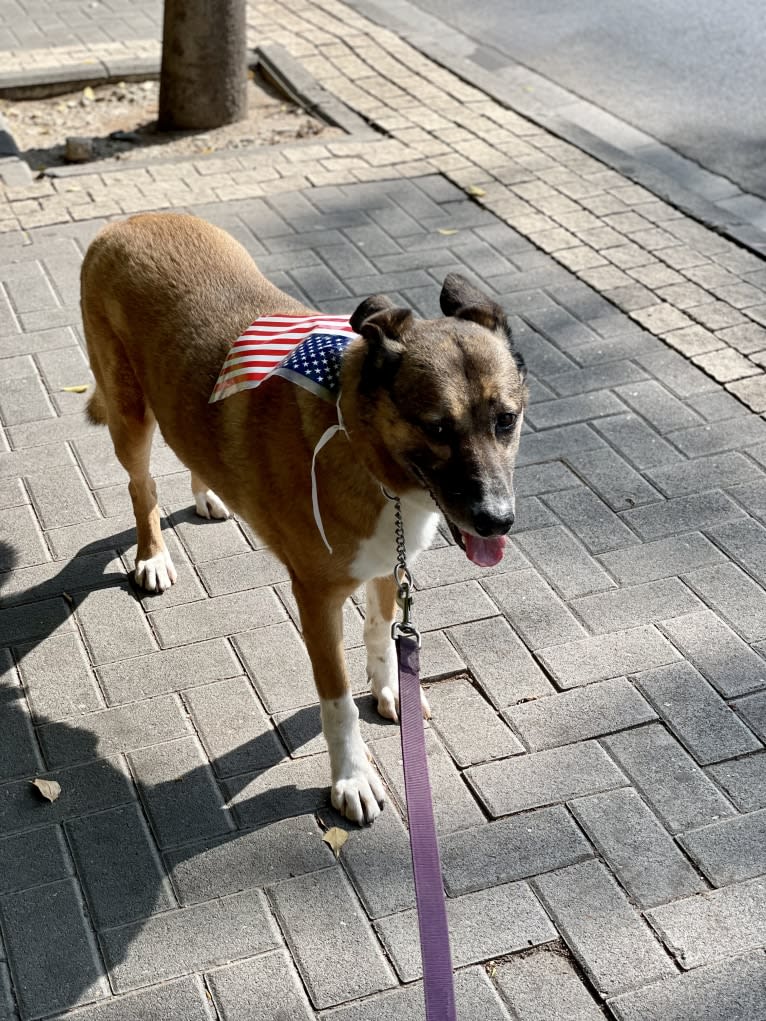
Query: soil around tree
x,y
120,120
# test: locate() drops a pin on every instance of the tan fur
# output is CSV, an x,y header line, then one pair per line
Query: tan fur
x,y
163,298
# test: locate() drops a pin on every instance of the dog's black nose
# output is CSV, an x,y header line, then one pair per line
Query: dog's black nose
x,y
495,522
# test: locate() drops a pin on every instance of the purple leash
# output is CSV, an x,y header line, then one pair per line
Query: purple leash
x,y
438,984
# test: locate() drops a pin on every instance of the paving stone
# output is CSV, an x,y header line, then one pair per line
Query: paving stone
x,y
295,787
241,572
752,497
233,727
659,407
580,408
577,381
668,778
636,847
612,478
696,714
544,986
564,562
206,540
180,794
62,498
531,513
743,781
713,472
191,939
23,543
717,407
751,391
534,610
85,789
277,661
97,613
18,463
753,709
510,849
661,559
32,859
185,999
639,604
612,943
579,714
730,991
735,596
51,950
213,618
500,662
113,730
733,434
483,925
21,624
731,850
31,584
553,444
448,565
717,652
378,860
19,751
119,866
745,542
467,724
597,527
303,906
227,865
724,923
454,808
637,441
265,988
604,656
537,479
455,604
725,365
544,778
683,514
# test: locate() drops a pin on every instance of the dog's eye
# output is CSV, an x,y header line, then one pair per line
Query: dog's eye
x,y
434,430
505,422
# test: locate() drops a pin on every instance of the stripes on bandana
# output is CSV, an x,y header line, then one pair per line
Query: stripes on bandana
x,y
304,349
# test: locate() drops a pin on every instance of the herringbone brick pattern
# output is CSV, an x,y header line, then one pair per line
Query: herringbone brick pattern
x,y
599,698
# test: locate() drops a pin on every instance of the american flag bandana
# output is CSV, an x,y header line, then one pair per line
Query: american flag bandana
x,y
307,350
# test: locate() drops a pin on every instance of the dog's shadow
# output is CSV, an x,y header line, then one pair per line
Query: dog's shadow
x,y
98,833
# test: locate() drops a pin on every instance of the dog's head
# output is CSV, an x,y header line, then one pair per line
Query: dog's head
x,y
443,399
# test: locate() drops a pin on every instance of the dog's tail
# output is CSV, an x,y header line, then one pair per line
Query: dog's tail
x,y
95,409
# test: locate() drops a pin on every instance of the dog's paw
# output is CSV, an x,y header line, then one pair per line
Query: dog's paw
x,y
208,505
157,573
359,796
388,702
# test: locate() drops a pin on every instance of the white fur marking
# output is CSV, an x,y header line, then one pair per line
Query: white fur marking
x,y
157,573
357,791
376,556
208,505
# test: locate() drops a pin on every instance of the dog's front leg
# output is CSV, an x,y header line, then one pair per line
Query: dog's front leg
x,y
357,790
381,653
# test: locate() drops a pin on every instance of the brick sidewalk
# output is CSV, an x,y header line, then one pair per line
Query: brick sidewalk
x,y
599,699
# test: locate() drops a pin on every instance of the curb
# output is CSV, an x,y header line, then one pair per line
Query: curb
x,y
448,48
282,70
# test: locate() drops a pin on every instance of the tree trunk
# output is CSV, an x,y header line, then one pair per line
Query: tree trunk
x,y
203,81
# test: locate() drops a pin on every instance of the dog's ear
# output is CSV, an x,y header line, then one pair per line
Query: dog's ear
x,y
381,324
459,298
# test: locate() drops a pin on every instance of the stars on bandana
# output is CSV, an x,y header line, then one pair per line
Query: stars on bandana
x,y
318,358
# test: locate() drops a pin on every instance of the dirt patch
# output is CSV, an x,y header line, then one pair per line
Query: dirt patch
x,y
121,123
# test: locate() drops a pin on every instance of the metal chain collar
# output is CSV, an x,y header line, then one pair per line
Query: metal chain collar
x,y
403,580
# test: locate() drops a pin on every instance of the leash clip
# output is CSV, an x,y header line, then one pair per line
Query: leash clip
x,y
405,627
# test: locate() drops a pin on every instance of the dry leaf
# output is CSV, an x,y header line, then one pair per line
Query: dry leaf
x,y
335,838
447,231
475,191
491,968
88,93
49,789
75,389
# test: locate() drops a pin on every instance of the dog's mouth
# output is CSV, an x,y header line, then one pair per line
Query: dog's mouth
x,y
484,552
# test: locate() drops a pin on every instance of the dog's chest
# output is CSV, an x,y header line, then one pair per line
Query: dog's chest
x,y
376,555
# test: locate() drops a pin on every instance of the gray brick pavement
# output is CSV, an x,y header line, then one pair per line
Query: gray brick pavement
x,y
592,776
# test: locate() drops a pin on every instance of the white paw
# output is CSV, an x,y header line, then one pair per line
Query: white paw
x,y
157,573
360,795
387,695
208,505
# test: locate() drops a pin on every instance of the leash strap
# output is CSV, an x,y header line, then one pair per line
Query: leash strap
x,y
426,865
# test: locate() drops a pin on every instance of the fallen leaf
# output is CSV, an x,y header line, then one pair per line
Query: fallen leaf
x,y
475,191
88,93
335,838
491,969
49,789
75,389
447,231
68,598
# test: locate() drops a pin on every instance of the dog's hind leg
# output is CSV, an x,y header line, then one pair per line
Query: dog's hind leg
x,y
382,669
357,790
132,438
206,503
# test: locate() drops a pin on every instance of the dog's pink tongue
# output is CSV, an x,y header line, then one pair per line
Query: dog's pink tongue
x,y
483,552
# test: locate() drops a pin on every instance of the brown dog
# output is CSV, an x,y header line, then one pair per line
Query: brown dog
x,y
432,412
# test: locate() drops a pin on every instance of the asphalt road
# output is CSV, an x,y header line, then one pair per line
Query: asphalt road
x,y
691,73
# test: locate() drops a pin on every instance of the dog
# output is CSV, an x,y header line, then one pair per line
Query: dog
x,y
429,410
